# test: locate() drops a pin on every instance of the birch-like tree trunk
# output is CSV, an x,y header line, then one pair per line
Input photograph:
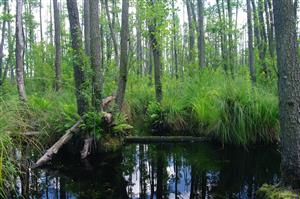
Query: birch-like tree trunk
x,y
20,51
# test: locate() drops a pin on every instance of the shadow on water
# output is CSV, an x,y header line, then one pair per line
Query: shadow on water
x,y
150,171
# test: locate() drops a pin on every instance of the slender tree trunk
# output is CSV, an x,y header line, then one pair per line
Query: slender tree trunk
x,y
2,43
263,44
95,55
191,30
139,52
256,25
222,36
57,30
269,29
112,32
201,41
51,24
41,21
87,26
78,63
155,46
175,40
20,51
230,38
250,42
271,33
150,59
289,90
124,54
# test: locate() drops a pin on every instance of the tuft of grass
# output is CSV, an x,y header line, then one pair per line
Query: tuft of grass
x,y
232,111
272,192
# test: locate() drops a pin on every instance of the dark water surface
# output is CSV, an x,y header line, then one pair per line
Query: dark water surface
x,y
160,171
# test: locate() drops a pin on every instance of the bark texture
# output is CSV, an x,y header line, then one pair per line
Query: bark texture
x,y
201,41
250,43
124,54
95,55
20,51
289,90
156,55
86,19
57,31
112,32
82,104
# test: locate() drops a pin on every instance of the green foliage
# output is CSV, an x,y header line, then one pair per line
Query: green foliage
x,y
213,104
93,122
272,192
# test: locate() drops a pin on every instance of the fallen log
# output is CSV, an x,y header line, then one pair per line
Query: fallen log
x,y
55,148
87,148
164,139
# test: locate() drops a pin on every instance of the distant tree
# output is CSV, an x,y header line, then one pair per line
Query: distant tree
x,y
112,32
175,51
87,26
139,50
201,41
20,51
191,24
155,46
41,21
3,31
250,42
289,90
57,30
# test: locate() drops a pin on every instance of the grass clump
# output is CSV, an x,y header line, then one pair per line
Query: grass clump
x,y
230,110
272,192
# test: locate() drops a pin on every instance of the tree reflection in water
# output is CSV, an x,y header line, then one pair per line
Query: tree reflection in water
x,y
149,171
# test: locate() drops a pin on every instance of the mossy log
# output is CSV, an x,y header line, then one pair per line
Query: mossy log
x,y
158,139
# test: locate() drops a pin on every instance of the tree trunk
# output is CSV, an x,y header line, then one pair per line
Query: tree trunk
x,y
87,27
250,43
155,46
263,44
269,30
201,41
271,34
191,30
57,30
20,51
222,36
175,40
10,44
78,63
256,25
41,21
95,55
112,32
289,90
139,52
124,54
2,43
230,38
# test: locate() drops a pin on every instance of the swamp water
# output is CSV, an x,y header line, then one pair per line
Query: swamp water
x,y
159,171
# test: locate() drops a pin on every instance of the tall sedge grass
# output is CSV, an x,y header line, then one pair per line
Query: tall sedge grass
x,y
212,104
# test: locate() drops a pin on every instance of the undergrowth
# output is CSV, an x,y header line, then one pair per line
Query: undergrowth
x,y
232,111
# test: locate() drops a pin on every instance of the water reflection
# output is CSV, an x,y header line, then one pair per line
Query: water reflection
x,y
156,171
